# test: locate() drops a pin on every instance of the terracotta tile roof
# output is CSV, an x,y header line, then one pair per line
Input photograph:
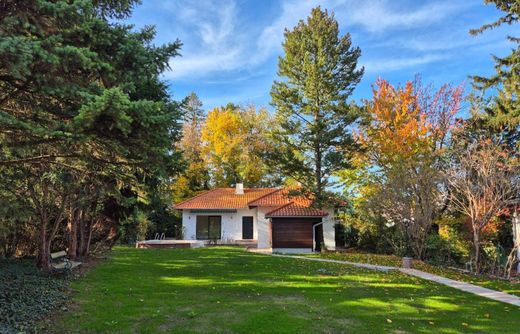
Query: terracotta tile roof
x,y
296,210
284,205
224,198
278,198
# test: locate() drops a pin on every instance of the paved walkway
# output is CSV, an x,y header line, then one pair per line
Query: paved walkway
x,y
355,264
474,289
467,287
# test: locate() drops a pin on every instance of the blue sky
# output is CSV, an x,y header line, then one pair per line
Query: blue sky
x,y
230,48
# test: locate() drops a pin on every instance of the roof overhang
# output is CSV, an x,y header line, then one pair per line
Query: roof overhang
x,y
295,216
212,210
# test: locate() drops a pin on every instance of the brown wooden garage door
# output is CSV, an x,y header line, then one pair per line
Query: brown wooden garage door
x,y
293,232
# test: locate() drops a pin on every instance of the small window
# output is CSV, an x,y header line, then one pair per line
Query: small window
x,y
247,227
208,227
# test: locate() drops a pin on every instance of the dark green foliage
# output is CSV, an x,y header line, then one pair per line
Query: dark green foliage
x,y
82,103
503,114
319,72
27,295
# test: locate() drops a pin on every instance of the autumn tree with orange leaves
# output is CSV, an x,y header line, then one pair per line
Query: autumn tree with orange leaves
x,y
404,135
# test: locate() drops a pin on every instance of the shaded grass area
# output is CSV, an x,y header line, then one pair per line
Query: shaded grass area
x,y
512,287
27,295
227,290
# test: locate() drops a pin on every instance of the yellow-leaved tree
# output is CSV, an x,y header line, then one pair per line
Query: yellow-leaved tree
x,y
234,142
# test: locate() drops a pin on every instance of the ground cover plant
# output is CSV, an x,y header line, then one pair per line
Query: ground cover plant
x,y
27,295
228,290
512,287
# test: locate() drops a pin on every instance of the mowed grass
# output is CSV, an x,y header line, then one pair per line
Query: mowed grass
x,y
227,290
511,287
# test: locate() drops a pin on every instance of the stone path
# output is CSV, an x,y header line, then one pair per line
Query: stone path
x,y
467,287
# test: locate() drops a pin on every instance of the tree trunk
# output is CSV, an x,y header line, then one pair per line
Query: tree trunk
x,y
82,237
43,261
476,245
89,239
72,229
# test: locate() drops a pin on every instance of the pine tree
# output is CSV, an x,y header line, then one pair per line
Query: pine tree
x,y
319,72
503,114
191,107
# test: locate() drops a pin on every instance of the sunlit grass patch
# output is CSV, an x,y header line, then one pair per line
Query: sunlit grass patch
x,y
228,290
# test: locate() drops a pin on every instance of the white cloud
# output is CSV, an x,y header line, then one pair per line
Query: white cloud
x,y
217,40
393,64
213,44
377,16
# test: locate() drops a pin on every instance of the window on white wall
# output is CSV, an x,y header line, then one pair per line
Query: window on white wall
x,y
209,227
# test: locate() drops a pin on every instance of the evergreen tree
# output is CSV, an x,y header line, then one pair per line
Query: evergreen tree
x,y
80,95
503,114
191,107
319,72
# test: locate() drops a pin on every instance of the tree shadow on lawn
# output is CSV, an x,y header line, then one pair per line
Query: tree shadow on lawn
x,y
227,290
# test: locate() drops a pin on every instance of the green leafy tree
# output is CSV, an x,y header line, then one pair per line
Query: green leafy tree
x,y
319,72
503,114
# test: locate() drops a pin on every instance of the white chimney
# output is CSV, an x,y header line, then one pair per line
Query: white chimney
x,y
239,189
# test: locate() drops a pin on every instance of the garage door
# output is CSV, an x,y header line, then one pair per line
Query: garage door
x,y
292,232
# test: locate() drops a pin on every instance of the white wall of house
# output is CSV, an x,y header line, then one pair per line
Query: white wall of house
x,y
231,226
264,228
329,231
231,223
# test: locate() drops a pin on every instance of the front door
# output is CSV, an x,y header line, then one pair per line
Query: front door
x,y
247,227
318,237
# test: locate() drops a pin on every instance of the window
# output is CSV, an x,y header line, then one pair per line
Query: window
x,y
247,227
208,227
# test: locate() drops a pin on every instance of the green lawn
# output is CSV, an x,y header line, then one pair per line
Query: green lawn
x,y
227,290
392,260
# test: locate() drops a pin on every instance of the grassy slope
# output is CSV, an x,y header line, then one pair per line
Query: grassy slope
x,y
227,290
391,260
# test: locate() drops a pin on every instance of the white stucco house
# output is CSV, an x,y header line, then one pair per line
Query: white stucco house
x,y
267,218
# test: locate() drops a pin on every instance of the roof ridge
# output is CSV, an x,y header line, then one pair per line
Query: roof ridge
x,y
268,194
